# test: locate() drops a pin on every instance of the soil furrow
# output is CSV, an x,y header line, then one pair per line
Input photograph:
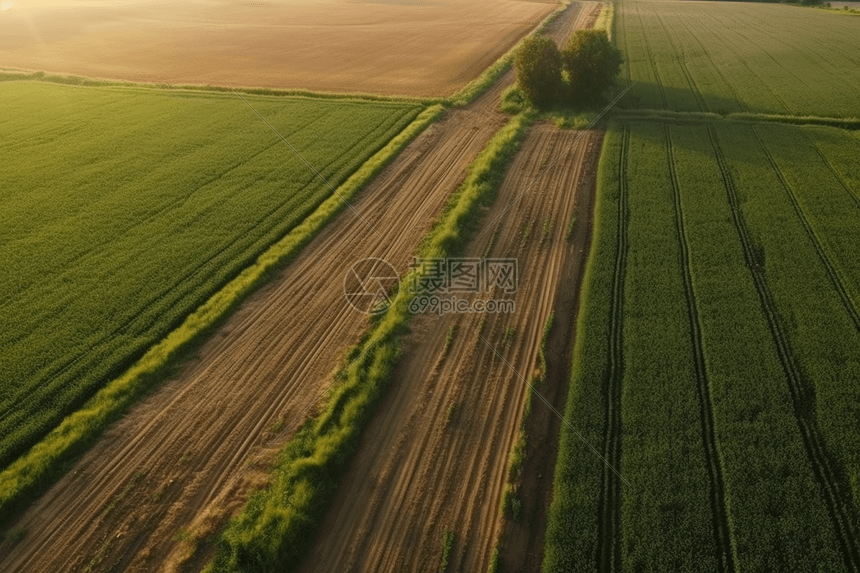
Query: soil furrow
x,y
452,420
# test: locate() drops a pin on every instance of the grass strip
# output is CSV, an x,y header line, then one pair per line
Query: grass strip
x,y
447,544
278,524
8,75
51,457
605,18
737,117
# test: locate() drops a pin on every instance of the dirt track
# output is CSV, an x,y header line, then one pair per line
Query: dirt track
x,y
405,47
418,472
169,465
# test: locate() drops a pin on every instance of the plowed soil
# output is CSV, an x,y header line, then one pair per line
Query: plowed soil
x,y
174,467
434,458
408,47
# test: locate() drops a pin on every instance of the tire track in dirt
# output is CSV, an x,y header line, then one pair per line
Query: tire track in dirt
x,y
435,455
833,487
521,543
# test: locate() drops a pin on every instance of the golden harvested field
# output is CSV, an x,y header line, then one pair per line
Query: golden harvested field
x,y
408,47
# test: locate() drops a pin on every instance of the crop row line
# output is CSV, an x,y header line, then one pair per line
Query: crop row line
x,y
724,540
714,66
737,56
832,272
802,398
608,544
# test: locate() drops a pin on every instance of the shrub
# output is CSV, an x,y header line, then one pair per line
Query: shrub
x,y
538,63
592,63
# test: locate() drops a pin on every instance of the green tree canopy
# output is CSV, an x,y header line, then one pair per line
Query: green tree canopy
x,y
539,65
592,63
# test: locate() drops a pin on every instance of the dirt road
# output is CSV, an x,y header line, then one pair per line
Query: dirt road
x,y
168,467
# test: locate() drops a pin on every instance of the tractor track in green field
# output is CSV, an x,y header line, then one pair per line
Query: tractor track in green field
x,y
836,175
833,488
726,554
652,61
682,62
832,272
753,73
715,67
609,508
619,16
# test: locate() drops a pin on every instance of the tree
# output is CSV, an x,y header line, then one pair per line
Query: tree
x,y
538,64
592,63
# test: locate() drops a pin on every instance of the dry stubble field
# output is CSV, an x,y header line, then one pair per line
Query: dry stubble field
x,y
409,47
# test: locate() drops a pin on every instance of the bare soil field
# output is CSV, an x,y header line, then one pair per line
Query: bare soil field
x,y
404,47
176,463
435,456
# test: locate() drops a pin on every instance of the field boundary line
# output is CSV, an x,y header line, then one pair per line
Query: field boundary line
x,y
802,397
42,464
10,75
727,556
832,271
664,115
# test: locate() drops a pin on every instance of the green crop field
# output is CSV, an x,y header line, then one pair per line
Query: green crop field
x,y
720,366
717,361
122,210
728,57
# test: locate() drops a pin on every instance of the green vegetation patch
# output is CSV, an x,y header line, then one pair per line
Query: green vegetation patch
x,y
719,317
726,57
125,213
